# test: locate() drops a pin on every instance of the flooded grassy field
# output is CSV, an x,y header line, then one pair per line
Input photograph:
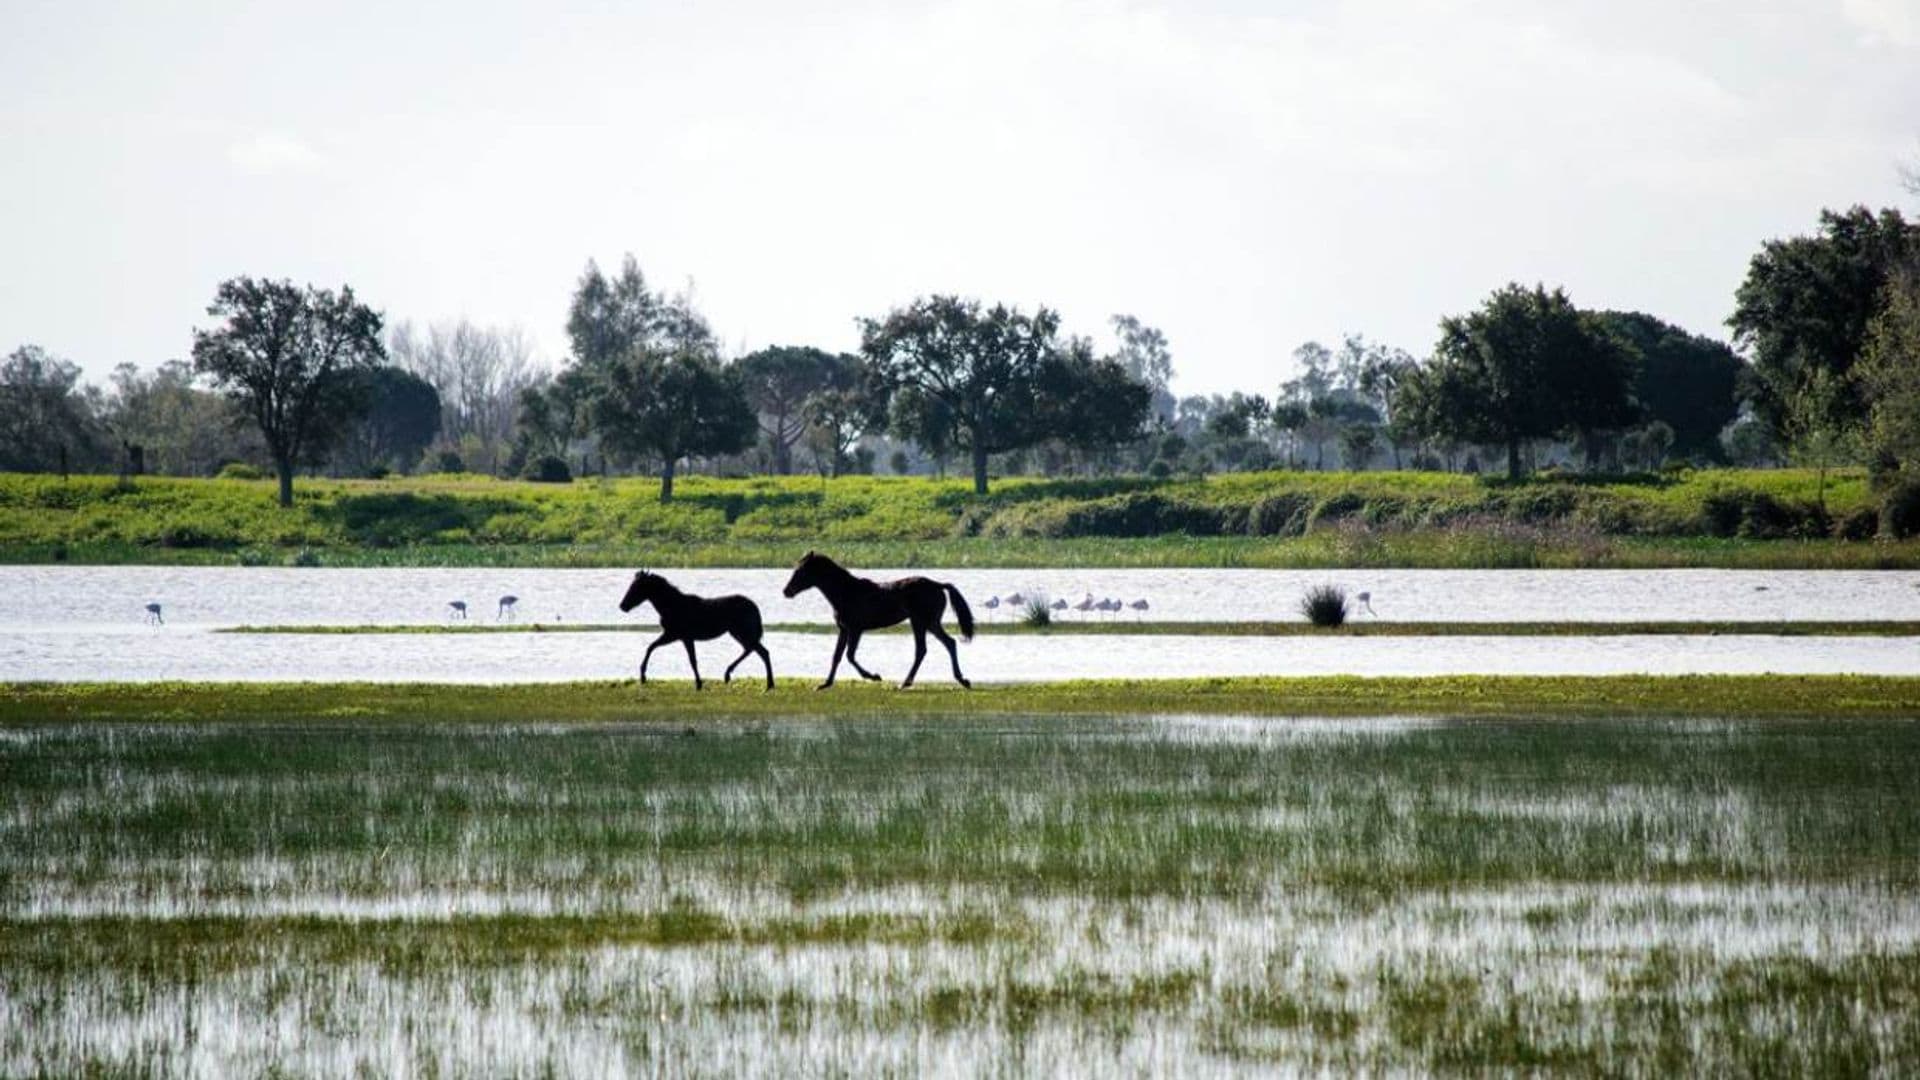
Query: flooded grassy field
x,y
998,895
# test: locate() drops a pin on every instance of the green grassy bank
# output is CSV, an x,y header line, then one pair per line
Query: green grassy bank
x,y
1835,696
1758,519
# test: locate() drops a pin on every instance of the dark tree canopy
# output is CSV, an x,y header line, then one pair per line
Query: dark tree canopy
x,y
46,421
610,317
778,381
1807,300
1686,381
402,418
671,405
1527,365
1144,355
997,378
850,402
285,354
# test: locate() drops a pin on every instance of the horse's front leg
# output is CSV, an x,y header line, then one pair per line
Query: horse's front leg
x,y
694,663
839,647
657,642
853,642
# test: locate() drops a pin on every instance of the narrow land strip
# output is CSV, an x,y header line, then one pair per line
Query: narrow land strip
x,y
1369,628
1833,696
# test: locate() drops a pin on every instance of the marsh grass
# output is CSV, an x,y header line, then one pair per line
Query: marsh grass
x,y
1176,894
1325,606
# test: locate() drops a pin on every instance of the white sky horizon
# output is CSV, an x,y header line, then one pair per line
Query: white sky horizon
x,y
1244,176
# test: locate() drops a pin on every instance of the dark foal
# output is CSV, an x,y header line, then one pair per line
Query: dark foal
x,y
860,605
689,619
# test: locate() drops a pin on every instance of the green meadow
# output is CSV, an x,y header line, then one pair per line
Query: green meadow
x,y
1745,518
293,881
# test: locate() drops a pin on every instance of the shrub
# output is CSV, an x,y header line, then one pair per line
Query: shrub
x,y
1860,523
185,534
1325,605
1280,515
1900,511
449,461
548,469
1038,612
305,558
1335,507
239,470
379,472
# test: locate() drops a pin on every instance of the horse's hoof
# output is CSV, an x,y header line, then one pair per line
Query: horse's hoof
x,y
966,684
824,686
869,677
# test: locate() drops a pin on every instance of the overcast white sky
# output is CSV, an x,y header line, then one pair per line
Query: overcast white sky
x,y
1245,176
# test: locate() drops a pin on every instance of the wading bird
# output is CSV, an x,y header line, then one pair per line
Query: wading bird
x,y
1366,601
992,604
506,607
153,614
1140,606
456,609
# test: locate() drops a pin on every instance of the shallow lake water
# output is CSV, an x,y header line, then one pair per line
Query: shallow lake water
x,y
36,596
85,623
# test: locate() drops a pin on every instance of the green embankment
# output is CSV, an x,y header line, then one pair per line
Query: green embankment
x,y
1758,519
1832,697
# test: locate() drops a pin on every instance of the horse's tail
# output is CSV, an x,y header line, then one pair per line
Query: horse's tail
x,y
961,611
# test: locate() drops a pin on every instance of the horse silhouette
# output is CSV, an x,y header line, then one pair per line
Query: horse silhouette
x,y
860,604
687,619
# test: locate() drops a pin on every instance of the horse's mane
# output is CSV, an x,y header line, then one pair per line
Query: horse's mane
x,y
830,568
662,584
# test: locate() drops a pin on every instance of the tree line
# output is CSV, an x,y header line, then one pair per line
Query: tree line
x,y
302,378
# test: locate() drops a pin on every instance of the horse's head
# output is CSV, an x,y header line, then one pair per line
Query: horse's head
x,y
806,574
640,591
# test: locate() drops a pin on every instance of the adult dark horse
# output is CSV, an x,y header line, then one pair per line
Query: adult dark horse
x,y
860,604
688,619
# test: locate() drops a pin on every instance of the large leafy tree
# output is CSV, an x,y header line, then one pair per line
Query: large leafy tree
x,y
287,355
671,404
1687,381
779,381
402,417
170,426
1806,303
850,403
1144,356
997,378
47,420
1889,374
1528,365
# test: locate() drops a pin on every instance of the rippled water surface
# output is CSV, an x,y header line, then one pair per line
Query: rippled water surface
x,y
1104,895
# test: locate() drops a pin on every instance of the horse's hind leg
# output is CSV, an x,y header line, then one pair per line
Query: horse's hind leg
x,y
744,653
919,654
954,652
747,648
767,659
853,642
